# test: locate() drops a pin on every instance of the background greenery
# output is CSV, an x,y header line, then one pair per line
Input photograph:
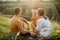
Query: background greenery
x,y
7,10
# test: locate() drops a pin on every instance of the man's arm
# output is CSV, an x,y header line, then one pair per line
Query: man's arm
x,y
20,26
26,22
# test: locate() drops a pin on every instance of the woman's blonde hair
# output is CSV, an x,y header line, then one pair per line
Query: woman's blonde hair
x,y
41,12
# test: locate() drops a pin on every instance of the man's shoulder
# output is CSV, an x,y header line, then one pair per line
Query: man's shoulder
x,y
15,19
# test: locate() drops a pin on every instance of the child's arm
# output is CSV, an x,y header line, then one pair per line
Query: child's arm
x,y
34,28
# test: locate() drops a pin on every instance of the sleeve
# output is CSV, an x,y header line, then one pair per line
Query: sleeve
x,y
39,25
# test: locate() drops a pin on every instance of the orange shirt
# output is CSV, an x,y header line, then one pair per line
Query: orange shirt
x,y
15,24
34,20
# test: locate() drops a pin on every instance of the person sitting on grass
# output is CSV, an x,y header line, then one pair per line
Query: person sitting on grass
x,y
16,24
34,19
43,27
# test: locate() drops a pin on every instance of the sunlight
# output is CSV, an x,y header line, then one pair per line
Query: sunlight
x,y
8,0
46,0
29,0
26,0
19,0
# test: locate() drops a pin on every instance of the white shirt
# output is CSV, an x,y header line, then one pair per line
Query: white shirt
x,y
44,27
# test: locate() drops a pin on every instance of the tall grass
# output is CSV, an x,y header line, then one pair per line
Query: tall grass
x,y
3,26
4,29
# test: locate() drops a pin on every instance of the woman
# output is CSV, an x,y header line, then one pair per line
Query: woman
x,y
43,26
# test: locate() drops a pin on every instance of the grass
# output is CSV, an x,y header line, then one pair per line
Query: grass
x,y
4,28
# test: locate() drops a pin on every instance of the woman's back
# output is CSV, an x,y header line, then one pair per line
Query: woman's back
x,y
44,26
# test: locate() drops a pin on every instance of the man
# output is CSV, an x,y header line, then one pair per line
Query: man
x,y
17,23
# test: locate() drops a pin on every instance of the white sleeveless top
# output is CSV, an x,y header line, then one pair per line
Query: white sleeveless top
x,y
44,27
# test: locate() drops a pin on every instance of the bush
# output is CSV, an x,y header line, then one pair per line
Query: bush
x,y
55,36
27,18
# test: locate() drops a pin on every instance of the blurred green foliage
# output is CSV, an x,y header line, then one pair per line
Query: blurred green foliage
x,y
52,8
7,10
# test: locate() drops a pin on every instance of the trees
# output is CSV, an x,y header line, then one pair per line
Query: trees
x,y
52,8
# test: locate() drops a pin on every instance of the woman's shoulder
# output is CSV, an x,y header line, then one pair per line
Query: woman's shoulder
x,y
41,19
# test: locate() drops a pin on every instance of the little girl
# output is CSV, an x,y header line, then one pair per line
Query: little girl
x,y
43,26
34,19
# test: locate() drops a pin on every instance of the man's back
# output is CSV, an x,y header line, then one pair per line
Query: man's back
x,y
13,24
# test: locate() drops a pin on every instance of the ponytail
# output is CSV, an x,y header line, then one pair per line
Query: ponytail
x,y
45,17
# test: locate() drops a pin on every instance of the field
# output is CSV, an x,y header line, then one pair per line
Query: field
x,y
4,29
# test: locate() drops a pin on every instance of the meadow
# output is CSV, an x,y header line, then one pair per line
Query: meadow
x,y
5,32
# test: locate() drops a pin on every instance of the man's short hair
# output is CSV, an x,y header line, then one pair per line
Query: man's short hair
x,y
17,10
